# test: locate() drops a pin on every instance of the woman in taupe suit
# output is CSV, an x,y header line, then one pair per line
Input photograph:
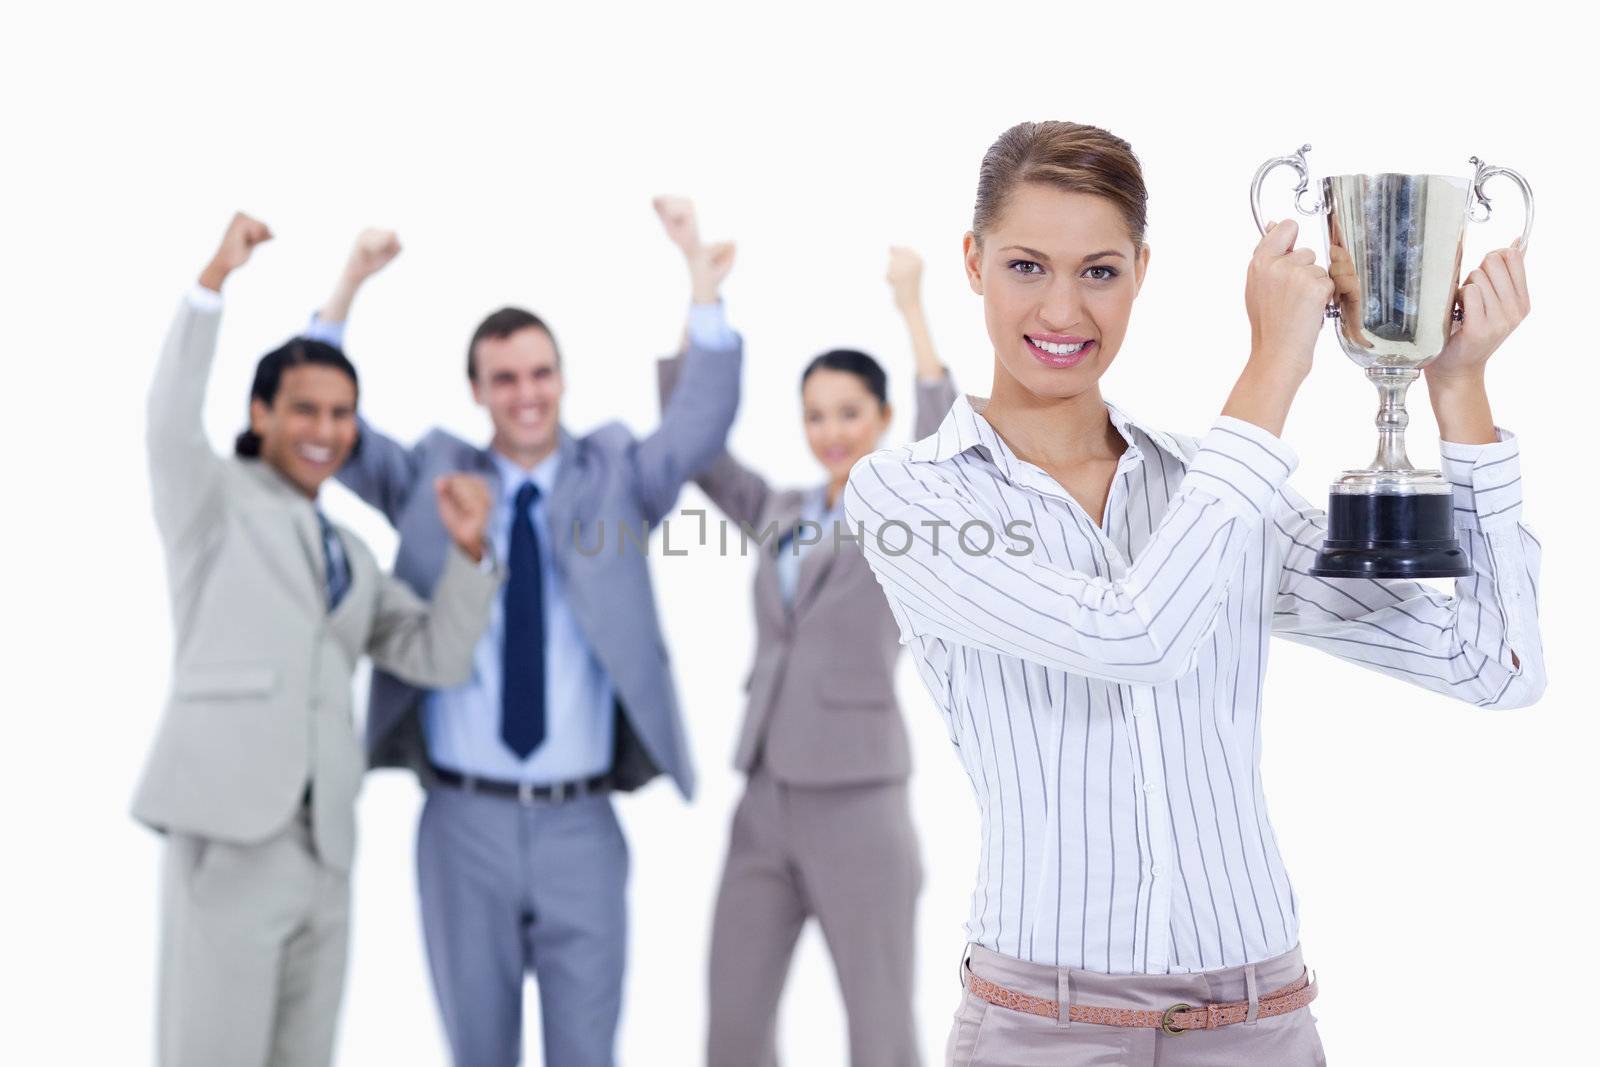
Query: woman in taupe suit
x,y
824,827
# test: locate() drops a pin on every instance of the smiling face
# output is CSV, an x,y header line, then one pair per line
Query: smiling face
x,y
1058,272
518,381
844,420
308,430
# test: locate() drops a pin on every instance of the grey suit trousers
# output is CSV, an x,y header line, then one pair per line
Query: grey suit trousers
x,y
986,1035
253,947
846,854
510,888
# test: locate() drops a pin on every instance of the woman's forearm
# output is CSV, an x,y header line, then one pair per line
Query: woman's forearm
x,y
1264,392
928,366
1461,407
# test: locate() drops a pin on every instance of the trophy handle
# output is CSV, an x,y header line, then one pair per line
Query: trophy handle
x,y
1482,174
1297,163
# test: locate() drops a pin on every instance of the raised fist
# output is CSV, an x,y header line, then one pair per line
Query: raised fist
x,y
464,506
241,238
373,251
905,275
677,215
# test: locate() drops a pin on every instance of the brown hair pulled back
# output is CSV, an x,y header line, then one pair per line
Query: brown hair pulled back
x,y
1064,155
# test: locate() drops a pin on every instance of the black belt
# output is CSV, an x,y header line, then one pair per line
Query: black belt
x,y
525,792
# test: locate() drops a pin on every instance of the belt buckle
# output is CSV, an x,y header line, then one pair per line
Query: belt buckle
x,y
525,793
1167,1024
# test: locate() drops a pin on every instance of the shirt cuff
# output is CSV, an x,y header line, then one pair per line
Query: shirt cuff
x,y
202,299
1241,465
329,333
1486,480
708,327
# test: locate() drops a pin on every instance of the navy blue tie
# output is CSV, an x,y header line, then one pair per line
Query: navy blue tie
x,y
522,654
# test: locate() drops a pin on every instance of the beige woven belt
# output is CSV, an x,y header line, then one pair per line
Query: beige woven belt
x,y
1178,1019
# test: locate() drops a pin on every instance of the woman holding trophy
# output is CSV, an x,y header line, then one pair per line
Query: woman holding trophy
x,y
1088,599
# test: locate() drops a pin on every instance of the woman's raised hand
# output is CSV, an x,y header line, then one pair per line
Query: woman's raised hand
x,y
1494,301
1285,294
905,277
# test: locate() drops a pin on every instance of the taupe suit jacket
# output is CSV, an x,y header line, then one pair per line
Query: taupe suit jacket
x,y
821,707
260,698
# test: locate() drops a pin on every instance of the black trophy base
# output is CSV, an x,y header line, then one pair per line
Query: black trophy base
x,y
1391,535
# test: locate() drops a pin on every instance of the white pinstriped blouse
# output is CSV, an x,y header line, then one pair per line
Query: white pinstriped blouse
x,y
1102,684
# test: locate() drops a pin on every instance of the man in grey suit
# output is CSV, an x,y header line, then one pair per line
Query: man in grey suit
x,y
254,772
521,865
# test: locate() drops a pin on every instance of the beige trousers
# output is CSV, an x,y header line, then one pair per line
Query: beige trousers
x,y
253,945
848,856
985,1035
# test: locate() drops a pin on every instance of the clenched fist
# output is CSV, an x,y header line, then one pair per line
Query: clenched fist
x,y
464,506
241,238
1286,295
374,249
905,276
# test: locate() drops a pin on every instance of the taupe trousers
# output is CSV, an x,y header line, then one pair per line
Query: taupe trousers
x,y
985,1035
252,951
846,854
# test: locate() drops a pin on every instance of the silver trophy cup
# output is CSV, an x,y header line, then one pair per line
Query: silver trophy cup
x,y
1394,254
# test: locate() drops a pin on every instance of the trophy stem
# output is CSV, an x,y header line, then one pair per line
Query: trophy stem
x,y
1392,383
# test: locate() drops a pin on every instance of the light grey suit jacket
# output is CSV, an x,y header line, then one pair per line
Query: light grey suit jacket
x,y
821,707
260,698
607,480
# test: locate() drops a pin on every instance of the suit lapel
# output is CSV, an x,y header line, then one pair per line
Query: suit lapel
x,y
290,539
784,515
349,624
563,494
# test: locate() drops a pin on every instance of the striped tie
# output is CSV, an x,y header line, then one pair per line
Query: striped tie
x,y
336,565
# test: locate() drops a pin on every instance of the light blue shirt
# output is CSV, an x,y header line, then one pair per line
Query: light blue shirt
x,y
792,551
462,725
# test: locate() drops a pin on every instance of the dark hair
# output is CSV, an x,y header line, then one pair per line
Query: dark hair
x,y
1065,155
297,352
850,361
502,324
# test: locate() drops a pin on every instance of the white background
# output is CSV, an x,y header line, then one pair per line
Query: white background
x,y
1443,855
